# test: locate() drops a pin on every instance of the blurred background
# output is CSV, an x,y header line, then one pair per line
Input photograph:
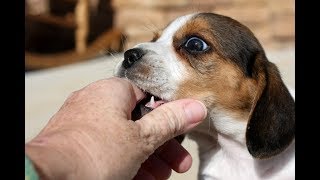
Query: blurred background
x,y
71,43
61,32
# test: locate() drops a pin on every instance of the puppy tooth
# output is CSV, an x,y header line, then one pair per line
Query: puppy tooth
x,y
152,101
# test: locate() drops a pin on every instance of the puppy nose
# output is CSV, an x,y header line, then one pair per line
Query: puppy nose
x,y
131,56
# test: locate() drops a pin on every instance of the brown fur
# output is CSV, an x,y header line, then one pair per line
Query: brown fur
x,y
235,75
217,81
224,87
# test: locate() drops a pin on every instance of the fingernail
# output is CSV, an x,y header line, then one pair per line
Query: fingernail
x,y
196,111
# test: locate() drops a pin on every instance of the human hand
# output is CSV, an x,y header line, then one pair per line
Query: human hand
x,y
92,136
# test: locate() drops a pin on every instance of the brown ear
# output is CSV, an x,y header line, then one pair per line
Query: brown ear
x,y
271,127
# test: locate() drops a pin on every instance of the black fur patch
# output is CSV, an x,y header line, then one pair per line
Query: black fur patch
x,y
271,128
236,41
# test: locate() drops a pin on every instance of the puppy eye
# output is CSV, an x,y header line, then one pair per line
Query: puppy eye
x,y
195,44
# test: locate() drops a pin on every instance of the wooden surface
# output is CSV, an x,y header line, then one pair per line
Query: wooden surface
x,y
108,41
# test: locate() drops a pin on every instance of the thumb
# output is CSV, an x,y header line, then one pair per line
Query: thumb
x,y
170,120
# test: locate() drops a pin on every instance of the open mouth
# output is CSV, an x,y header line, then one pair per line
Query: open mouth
x,y
146,105
154,101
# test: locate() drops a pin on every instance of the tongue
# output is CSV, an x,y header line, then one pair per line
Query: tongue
x,y
154,104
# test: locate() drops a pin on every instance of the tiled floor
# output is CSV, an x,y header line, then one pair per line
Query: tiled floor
x,y
46,90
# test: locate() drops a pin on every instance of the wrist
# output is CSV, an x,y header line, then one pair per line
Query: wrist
x,y
48,163
53,159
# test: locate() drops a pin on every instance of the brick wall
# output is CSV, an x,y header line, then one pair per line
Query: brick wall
x,y
272,21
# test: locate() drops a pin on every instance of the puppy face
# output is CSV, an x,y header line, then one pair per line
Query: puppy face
x,y
195,57
158,71
218,61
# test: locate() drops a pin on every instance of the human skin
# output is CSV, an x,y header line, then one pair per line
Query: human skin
x,y
92,136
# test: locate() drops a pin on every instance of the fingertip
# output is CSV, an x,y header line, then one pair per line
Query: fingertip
x,y
195,111
184,165
176,156
138,93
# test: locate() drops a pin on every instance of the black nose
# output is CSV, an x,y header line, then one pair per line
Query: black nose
x,y
131,56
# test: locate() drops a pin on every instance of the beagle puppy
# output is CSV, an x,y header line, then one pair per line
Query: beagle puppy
x,y
250,128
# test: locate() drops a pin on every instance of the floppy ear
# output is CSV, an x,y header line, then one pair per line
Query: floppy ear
x,y
271,127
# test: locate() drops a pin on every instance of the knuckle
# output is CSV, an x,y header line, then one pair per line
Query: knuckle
x,y
152,134
147,140
172,121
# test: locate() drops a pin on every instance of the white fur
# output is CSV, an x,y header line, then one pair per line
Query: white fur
x,y
227,125
164,50
161,56
225,155
168,33
230,160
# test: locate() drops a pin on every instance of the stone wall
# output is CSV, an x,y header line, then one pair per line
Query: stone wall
x,y
272,21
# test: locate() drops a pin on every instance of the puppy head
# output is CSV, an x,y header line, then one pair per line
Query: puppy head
x,y
218,61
